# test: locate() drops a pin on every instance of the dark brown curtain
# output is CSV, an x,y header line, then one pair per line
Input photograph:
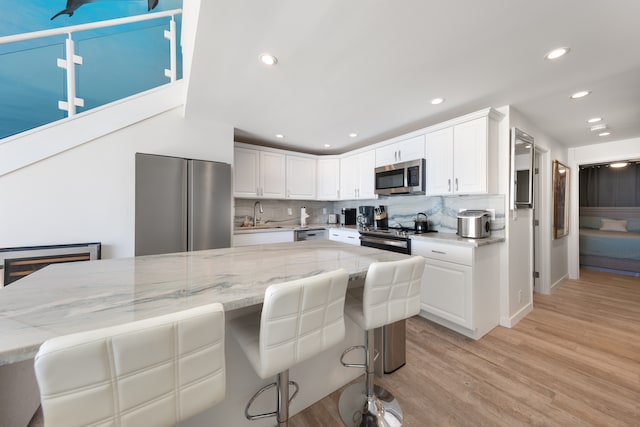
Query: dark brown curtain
x,y
610,187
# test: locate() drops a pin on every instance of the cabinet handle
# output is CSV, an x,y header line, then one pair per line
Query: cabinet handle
x,y
399,155
438,252
456,184
338,194
395,156
449,185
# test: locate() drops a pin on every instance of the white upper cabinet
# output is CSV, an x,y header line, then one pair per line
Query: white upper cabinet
x,y
301,177
367,178
402,151
462,159
357,179
246,172
272,175
439,154
328,179
471,145
258,174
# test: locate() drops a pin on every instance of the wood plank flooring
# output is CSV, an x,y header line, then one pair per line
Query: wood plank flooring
x,y
573,361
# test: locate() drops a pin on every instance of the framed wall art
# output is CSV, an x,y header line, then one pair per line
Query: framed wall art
x,y
561,175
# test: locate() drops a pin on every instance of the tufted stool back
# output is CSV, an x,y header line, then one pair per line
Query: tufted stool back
x,y
391,293
152,372
299,319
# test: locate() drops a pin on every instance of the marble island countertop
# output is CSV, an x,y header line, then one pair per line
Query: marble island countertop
x,y
67,298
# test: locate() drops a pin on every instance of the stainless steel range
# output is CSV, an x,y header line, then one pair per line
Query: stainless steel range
x,y
390,340
394,239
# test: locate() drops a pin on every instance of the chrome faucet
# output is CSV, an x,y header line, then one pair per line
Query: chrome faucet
x,y
255,219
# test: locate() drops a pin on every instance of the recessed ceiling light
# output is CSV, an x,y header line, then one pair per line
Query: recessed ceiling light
x,y
557,53
327,145
604,134
268,59
353,135
580,94
601,126
618,164
279,135
594,120
436,101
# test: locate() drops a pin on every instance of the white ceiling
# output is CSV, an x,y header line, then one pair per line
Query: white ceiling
x,y
372,66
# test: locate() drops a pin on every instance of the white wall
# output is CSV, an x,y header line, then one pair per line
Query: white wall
x,y
598,153
87,194
517,292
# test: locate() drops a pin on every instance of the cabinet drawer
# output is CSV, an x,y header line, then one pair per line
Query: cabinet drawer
x,y
351,237
442,251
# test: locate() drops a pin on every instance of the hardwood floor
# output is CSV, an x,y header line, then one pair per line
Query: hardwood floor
x,y
573,361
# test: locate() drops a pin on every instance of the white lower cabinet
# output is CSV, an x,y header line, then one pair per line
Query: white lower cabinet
x,y
262,238
460,286
447,291
345,235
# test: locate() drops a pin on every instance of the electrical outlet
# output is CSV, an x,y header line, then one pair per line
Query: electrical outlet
x,y
289,211
324,211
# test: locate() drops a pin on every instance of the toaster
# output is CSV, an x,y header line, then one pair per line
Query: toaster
x,y
474,224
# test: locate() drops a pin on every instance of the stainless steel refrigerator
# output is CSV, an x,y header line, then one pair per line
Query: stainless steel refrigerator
x,y
181,205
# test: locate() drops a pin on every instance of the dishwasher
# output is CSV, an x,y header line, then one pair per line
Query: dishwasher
x,y
311,234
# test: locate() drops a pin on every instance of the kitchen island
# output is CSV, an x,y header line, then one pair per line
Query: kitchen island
x,y
68,298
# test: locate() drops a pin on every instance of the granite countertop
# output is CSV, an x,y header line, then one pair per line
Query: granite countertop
x,y
287,227
496,236
264,228
66,298
454,239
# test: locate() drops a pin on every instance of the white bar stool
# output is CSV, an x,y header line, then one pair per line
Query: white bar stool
x,y
391,293
299,319
153,372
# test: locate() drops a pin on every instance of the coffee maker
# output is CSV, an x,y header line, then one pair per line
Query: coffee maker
x,y
380,217
365,216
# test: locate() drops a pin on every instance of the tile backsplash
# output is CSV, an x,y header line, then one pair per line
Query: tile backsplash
x,y
441,211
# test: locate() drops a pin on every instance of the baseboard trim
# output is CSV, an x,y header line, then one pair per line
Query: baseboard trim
x,y
510,322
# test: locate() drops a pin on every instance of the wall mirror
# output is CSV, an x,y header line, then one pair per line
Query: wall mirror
x,y
522,169
560,199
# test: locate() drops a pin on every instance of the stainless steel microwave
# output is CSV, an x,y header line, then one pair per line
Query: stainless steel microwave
x,y
401,178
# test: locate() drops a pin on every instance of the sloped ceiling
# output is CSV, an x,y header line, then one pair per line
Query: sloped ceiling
x,y
372,66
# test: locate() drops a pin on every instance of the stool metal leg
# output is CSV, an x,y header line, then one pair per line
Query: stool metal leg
x,y
283,399
366,404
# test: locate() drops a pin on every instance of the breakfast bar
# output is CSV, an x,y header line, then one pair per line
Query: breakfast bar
x,y
67,298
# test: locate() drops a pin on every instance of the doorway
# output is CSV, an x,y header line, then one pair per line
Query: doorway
x,y
541,220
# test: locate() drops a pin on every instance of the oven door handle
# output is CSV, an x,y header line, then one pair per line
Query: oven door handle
x,y
383,241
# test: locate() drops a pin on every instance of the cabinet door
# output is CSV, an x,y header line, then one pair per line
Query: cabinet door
x,y
272,175
411,149
246,172
348,177
328,179
301,178
387,155
447,291
470,160
439,155
366,175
